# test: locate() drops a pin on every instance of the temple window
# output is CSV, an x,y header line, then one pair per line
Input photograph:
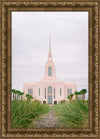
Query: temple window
x,y
69,91
39,91
49,89
60,91
45,93
49,71
30,92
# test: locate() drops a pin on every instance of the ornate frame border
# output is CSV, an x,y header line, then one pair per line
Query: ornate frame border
x,y
5,61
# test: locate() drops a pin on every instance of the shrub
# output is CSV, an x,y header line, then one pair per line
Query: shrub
x,y
37,101
73,114
86,101
62,101
23,112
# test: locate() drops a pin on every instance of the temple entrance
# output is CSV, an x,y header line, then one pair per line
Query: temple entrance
x,y
49,95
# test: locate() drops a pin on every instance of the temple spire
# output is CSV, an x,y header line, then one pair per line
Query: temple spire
x,y
49,42
49,54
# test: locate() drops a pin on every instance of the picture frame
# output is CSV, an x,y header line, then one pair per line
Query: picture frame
x,y
93,7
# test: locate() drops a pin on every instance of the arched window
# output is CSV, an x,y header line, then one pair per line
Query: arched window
x,y
45,93
54,93
49,71
39,91
49,89
60,91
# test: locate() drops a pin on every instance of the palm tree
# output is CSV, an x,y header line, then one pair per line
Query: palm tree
x,y
76,94
13,91
18,94
22,93
70,97
83,91
29,97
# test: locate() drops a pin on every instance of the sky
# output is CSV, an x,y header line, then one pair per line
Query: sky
x,y
69,46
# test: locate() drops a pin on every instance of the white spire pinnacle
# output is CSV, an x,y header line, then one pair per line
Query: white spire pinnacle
x,y
49,42
49,55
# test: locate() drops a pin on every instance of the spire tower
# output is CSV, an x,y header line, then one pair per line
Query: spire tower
x,y
49,43
49,54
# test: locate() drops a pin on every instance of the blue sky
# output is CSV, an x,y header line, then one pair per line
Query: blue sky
x,y
30,44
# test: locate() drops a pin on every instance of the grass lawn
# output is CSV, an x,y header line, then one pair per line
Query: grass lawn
x,y
72,114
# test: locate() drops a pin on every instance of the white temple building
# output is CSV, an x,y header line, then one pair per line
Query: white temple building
x,y
50,89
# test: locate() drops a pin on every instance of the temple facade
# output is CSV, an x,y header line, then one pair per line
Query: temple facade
x,y
50,89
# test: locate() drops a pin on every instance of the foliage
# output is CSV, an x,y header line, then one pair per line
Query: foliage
x,y
16,92
77,93
81,92
72,114
13,90
62,101
86,101
24,112
37,101
29,97
70,97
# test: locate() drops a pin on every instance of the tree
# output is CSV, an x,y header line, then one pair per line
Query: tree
x,y
76,94
70,97
29,97
13,91
22,93
83,91
18,93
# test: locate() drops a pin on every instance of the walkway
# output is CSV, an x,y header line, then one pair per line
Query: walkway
x,y
47,120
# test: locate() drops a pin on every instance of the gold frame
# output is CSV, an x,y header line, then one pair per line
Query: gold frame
x,y
5,62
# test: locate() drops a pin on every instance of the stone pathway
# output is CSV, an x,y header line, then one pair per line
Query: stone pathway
x,y
47,120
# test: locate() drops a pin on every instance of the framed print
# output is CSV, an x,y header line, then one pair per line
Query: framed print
x,y
49,69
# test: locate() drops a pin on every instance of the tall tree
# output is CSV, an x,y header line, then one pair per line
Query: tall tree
x,y
29,97
76,94
83,92
13,91
18,93
70,97
22,93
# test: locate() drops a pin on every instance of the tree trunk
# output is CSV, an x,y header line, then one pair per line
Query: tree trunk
x,y
13,96
17,97
84,97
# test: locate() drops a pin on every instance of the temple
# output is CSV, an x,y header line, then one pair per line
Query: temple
x,y
50,89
